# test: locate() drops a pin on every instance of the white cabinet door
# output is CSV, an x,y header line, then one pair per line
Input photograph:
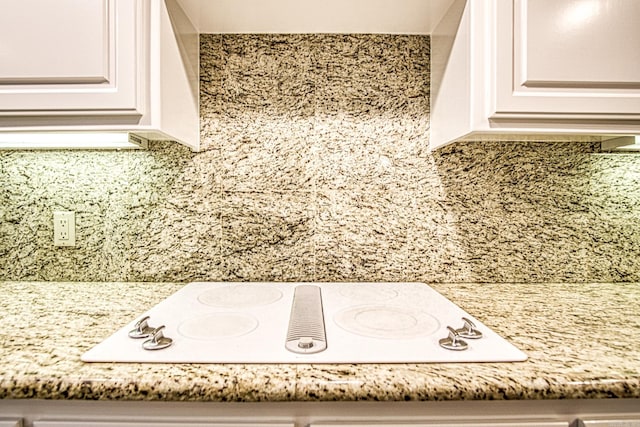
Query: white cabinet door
x,y
69,56
10,423
609,422
152,422
446,423
576,58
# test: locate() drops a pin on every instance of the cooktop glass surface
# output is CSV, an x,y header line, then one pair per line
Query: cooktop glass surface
x,y
222,322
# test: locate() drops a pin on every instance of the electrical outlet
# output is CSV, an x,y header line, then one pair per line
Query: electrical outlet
x,y
64,228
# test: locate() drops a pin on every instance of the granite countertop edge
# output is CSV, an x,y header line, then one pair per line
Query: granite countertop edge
x,y
134,390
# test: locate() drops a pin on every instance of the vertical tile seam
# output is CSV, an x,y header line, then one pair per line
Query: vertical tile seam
x,y
127,274
314,161
220,184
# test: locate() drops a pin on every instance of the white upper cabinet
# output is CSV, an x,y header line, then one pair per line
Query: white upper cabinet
x,y
104,65
536,67
69,55
568,57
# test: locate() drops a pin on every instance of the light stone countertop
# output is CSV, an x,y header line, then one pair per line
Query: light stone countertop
x,y
582,340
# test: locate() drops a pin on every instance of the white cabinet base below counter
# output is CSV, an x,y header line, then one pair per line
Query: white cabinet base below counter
x,y
532,413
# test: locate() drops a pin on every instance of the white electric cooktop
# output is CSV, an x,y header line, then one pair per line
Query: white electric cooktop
x,y
222,322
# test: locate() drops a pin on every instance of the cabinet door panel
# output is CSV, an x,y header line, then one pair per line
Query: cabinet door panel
x,y
585,57
68,56
611,422
152,422
470,423
58,46
570,58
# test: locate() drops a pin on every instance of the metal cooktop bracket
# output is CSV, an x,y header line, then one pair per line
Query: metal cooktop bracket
x,y
142,329
453,341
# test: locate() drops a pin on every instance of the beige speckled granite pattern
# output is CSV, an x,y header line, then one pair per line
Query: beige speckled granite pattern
x,y
581,340
276,226
315,167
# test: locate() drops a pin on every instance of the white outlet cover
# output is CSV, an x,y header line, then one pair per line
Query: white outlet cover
x,y
64,228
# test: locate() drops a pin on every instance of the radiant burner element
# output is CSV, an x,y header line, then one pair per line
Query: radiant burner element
x,y
387,322
218,325
216,322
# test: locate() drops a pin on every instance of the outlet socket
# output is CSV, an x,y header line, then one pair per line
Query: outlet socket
x,y
64,228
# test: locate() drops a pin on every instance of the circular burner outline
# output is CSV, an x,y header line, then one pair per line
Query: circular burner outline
x,y
243,324
240,296
424,324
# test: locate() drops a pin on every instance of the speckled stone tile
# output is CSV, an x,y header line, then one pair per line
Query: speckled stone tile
x,y
211,71
34,184
174,218
268,236
516,219
366,153
371,75
267,153
260,117
434,223
361,235
372,108
263,72
614,197
175,244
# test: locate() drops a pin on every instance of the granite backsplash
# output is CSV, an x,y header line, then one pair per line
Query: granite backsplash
x,y
315,168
